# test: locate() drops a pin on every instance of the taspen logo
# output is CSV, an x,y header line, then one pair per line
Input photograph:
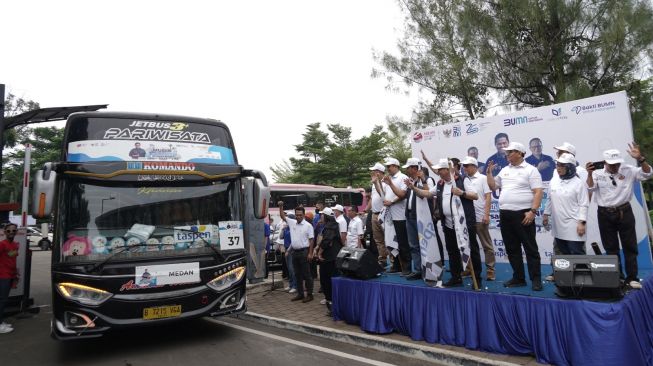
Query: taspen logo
x,y
557,114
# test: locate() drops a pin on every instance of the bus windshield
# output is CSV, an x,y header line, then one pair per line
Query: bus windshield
x,y
144,221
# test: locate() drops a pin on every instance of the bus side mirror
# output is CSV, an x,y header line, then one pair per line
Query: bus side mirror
x,y
261,194
43,192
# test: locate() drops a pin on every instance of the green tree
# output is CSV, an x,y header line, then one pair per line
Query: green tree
x,y
341,160
526,52
438,56
314,143
537,52
283,172
15,106
46,147
397,141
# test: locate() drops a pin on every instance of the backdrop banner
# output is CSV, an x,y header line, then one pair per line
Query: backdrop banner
x,y
592,125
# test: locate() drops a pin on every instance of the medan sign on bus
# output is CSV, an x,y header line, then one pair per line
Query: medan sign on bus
x,y
592,125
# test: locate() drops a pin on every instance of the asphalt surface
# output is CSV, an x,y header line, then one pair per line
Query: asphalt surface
x,y
224,341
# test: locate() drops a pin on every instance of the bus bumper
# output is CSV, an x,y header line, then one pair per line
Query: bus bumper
x,y
77,322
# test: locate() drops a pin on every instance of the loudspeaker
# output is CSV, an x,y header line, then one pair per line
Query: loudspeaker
x,y
587,276
358,263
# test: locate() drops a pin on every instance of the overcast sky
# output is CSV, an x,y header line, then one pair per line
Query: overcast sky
x,y
266,68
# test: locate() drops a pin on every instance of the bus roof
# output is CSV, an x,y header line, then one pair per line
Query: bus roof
x,y
148,116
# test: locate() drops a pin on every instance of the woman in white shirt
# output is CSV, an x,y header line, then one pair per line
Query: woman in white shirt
x,y
567,205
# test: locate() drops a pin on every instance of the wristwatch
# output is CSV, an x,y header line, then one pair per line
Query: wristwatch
x,y
533,210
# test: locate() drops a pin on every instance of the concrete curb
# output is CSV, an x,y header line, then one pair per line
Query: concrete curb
x,y
417,351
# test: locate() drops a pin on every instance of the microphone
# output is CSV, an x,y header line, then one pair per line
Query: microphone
x,y
597,250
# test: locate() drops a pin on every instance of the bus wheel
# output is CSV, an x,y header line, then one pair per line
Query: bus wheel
x,y
45,244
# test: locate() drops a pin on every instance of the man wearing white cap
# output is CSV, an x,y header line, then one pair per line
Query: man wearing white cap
x,y
612,189
397,209
567,205
482,211
342,222
412,166
444,190
377,195
519,201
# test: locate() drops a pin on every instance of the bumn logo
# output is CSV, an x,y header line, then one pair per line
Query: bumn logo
x,y
515,121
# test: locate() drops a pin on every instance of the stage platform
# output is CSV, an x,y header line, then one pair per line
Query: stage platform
x,y
515,321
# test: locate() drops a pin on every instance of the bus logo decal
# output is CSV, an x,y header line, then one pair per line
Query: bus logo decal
x,y
149,134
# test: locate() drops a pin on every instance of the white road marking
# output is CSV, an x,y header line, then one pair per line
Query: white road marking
x,y
303,344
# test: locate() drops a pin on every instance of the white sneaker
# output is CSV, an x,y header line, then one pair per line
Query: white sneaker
x,y
292,291
286,289
7,325
5,329
549,278
323,302
635,285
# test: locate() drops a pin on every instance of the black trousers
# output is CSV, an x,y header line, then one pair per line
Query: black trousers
x,y
302,271
402,239
455,259
328,270
5,289
515,235
615,224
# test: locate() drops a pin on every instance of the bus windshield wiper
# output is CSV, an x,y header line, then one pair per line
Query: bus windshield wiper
x,y
100,265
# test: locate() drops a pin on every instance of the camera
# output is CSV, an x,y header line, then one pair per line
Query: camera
x,y
598,164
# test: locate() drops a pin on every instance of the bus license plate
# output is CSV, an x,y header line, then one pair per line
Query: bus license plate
x,y
160,312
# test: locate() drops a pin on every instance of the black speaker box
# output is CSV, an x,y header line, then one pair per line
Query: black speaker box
x,y
358,263
587,276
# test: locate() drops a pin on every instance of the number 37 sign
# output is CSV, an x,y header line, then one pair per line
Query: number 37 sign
x,y
231,235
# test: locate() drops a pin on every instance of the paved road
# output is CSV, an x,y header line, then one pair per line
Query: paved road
x,y
224,341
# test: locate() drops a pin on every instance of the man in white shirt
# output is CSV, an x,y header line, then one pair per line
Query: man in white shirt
x,y
301,234
444,190
612,189
377,195
342,222
397,208
482,211
413,167
355,229
520,199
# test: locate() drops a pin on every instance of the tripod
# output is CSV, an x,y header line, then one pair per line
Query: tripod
x,y
274,286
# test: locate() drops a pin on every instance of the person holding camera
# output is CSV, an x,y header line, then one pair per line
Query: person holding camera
x,y
612,188
8,272
567,206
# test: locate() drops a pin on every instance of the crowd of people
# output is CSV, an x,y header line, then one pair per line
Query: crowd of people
x,y
392,200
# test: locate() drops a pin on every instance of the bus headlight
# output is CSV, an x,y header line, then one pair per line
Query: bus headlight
x,y
225,280
83,294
